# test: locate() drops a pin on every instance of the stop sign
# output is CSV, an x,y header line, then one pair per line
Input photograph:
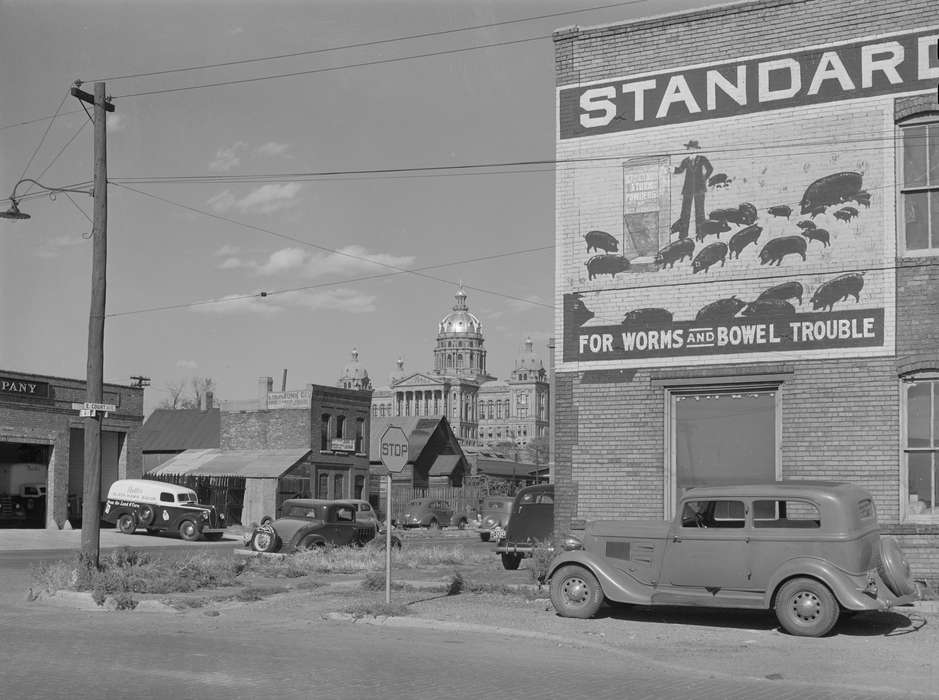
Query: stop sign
x,y
394,449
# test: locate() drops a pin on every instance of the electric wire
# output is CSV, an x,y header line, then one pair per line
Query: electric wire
x,y
43,139
39,119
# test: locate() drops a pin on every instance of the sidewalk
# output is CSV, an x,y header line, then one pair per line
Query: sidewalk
x,y
17,540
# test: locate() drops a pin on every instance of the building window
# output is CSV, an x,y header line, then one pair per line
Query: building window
x,y
359,488
498,409
324,431
322,485
920,184
506,404
719,436
359,434
338,486
340,426
921,446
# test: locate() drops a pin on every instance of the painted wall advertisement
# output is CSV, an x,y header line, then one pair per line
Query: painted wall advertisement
x,y
757,216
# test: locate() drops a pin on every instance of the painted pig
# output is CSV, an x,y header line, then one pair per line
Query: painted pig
x,y
863,197
647,317
731,216
778,248
806,225
575,311
831,189
720,310
601,240
817,234
784,291
709,255
838,289
770,308
845,214
610,265
743,238
720,181
747,213
780,210
710,228
675,252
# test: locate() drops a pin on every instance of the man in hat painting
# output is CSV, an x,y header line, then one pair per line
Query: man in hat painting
x,y
697,170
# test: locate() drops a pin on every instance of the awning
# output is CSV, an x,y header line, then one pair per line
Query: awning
x,y
444,465
254,464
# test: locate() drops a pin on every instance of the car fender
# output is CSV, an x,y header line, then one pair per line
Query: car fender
x,y
303,532
616,585
847,588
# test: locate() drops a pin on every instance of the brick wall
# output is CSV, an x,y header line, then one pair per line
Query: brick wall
x,y
282,428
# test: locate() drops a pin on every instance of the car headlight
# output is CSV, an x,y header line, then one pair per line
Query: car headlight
x,y
205,515
569,543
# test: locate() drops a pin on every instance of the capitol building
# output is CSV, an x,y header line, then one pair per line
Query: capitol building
x,y
481,410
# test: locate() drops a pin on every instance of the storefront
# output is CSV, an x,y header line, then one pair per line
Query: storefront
x,y
42,447
747,247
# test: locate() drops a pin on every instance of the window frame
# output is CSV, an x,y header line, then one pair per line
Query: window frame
x,y
919,119
906,515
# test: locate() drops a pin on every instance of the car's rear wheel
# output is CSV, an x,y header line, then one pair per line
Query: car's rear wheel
x,y
484,536
894,568
127,524
575,592
806,608
511,561
462,524
189,531
310,542
264,541
145,515
433,523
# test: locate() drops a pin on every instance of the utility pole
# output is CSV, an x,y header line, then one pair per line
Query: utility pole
x,y
91,493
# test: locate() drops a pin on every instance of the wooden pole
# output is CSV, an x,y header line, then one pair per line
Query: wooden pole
x,y
91,495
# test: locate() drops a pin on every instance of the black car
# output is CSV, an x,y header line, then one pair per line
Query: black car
x,y
307,523
531,523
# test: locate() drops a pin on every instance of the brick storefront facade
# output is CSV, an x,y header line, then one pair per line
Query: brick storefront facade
x,y
41,441
824,308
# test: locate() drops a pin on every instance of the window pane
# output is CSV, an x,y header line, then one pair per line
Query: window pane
x,y
934,154
725,438
934,217
917,414
916,215
922,473
914,156
935,414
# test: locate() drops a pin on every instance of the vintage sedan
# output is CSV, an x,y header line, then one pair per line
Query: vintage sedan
x,y
806,550
531,525
426,512
307,523
497,510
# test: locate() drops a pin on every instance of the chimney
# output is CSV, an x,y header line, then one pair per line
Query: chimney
x,y
208,401
265,387
283,383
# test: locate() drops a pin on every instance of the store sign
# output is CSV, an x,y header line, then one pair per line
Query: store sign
x,y
800,331
289,399
23,389
342,445
884,65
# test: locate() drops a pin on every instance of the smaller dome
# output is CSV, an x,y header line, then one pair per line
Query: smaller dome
x,y
527,359
398,374
354,370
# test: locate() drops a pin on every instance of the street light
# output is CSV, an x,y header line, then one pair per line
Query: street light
x,y
14,212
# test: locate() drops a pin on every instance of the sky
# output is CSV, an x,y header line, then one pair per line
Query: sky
x,y
345,191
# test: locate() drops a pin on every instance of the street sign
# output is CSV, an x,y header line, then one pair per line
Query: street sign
x,y
394,449
88,406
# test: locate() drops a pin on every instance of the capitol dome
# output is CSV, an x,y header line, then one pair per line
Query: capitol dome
x,y
460,320
527,359
354,375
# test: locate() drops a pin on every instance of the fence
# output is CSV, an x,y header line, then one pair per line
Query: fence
x,y
226,493
465,500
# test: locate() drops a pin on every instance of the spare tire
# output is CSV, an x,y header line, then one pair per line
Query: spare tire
x,y
145,515
894,568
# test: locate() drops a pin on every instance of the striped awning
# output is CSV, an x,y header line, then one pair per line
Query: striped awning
x,y
256,464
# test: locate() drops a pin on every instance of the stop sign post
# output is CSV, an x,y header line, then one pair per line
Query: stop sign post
x,y
394,455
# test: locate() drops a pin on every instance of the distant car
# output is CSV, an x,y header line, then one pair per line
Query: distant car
x,y
426,512
158,507
462,518
807,550
307,523
497,510
531,524
11,509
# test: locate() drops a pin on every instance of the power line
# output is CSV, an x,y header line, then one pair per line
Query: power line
x,y
39,119
44,134
365,44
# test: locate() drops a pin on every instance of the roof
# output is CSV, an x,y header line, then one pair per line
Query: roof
x,y
173,430
444,465
418,429
504,467
270,464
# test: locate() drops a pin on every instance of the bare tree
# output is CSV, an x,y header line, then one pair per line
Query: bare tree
x,y
175,397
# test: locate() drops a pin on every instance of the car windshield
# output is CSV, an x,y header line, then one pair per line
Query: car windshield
x,y
187,497
416,504
499,505
301,511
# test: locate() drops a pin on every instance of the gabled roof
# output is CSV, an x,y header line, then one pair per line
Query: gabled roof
x,y
418,429
505,468
174,430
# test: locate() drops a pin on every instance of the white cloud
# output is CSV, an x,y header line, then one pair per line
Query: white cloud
x,y
282,261
115,121
227,158
272,149
187,364
347,301
532,303
264,200
234,264
227,250
51,248
353,258
239,303
234,31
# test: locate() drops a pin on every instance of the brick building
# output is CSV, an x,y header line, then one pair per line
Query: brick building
x,y
747,235
42,446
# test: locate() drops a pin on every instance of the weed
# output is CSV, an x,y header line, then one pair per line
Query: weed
x,y
375,581
456,584
541,555
251,593
376,609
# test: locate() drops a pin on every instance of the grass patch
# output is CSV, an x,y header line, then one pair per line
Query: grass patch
x,y
252,593
376,609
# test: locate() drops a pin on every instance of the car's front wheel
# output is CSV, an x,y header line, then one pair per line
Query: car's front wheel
x,y
806,608
127,524
264,541
510,561
575,592
189,531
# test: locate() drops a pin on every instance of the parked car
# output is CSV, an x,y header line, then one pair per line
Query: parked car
x,y
531,524
307,523
497,510
463,517
11,509
158,507
806,550
426,512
